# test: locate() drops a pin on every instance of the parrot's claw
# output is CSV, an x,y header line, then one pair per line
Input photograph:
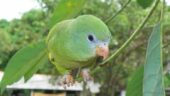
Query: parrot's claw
x,y
68,80
86,76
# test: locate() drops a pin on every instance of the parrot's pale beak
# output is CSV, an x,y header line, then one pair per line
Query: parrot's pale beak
x,y
102,51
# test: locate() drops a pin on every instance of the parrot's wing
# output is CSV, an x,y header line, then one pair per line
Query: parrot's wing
x,y
24,63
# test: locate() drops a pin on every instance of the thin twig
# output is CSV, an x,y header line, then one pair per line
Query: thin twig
x,y
132,37
162,12
162,20
118,12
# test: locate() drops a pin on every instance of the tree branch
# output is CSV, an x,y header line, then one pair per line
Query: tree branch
x,y
118,12
133,35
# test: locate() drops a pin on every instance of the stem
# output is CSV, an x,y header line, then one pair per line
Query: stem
x,y
161,37
118,12
162,12
132,37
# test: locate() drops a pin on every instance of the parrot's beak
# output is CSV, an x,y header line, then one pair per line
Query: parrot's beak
x,y
102,51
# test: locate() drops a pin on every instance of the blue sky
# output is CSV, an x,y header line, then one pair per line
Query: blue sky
x,y
10,9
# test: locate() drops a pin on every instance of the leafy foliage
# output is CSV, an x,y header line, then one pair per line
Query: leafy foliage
x,y
135,84
35,24
5,45
22,64
65,10
145,3
153,73
149,78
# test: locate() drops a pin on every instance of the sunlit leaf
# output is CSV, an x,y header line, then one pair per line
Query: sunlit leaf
x,y
135,84
24,63
145,3
153,73
66,9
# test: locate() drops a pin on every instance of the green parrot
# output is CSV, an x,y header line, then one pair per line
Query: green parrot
x,y
77,43
70,44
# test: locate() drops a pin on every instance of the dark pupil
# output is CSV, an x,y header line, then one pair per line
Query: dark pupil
x,y
90,37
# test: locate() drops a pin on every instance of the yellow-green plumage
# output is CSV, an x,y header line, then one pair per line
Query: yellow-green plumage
x,y
71,44
68,43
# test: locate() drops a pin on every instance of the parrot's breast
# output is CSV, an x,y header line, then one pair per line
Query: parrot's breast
x,y
63,64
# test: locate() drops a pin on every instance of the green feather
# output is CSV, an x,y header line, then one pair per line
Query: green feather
x,y
68,42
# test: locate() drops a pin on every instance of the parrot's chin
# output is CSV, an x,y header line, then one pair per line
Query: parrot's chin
x,y
100,58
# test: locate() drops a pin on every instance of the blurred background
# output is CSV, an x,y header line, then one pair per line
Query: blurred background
x,y
27,21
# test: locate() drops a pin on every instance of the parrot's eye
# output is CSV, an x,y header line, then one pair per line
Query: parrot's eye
x,y
90,37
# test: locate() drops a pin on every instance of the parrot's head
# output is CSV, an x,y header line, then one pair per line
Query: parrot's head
x,y
100,47
93,35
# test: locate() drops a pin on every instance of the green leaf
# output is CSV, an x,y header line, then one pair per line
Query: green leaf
x,y
145,3
66,9
153,71
24,63
167,80
40,63
135,84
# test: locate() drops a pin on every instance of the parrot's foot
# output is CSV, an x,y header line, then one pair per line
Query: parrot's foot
x,y
86,76
67,81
